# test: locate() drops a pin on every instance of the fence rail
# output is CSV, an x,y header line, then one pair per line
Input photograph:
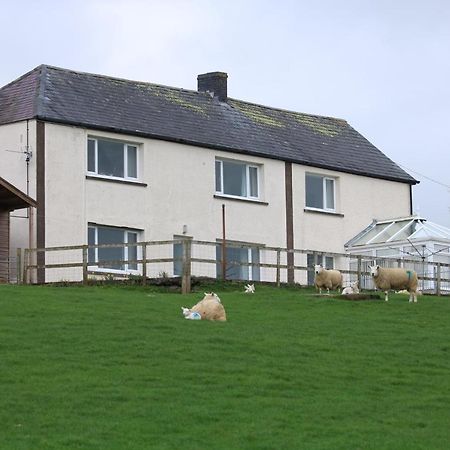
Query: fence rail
x,y
186,258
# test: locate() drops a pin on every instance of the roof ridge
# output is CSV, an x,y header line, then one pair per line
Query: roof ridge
x,y
128,80
287,110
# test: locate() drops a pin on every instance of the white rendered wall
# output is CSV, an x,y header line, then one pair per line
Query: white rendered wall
x,y
359,200
180,191
13,168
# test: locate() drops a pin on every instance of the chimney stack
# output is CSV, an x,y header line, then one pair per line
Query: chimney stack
x,y
214,82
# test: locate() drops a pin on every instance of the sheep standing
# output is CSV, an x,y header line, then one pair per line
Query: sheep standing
x,y
210,308
329,279
390,278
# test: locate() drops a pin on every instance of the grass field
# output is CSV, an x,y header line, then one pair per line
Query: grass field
x,y
119,368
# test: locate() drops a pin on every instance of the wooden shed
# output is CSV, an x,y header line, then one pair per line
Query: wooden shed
x,y
11,198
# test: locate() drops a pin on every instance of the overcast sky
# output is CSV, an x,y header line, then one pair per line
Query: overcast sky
x,y
384,66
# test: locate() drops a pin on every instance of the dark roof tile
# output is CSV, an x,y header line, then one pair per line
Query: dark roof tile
x,y
192,117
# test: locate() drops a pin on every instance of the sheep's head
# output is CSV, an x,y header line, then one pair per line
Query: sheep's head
x,y
211,296
186,311
374,270
318,268
354,284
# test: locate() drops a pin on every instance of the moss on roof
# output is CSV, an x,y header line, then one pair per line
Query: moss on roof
x,y
255,113
279,118
174,96
323,125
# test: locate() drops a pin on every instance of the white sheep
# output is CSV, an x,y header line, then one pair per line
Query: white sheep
x,y
329,279
190,315
388,279
249,289
210,308
352,289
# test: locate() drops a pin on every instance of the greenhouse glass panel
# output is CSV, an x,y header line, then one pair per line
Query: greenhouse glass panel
x,y
371,234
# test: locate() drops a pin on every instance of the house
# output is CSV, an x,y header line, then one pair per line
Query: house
x,y
111,160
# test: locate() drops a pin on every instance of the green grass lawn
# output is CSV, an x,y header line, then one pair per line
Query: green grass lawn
x,y
119,368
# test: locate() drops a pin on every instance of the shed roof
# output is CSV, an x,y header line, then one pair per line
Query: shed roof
x,y
12,198
191,117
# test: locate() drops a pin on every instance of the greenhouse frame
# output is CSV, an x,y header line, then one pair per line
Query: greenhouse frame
x,y
412,242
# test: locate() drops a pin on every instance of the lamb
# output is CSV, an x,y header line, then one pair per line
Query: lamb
x,y
249,289
330,279
209,308
352,289
190,315
390,279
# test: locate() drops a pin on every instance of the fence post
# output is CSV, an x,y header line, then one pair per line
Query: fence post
x,y
438,279
186,278
85,264
144,263
19,266
278,266
26,263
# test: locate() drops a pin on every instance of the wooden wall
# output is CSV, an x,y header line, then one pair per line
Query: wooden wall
x,y
4,246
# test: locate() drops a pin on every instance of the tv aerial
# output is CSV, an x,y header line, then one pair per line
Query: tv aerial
x,y
27,152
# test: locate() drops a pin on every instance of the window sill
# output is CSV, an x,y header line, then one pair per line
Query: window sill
x,y
237,199
319,211
105,270
114,180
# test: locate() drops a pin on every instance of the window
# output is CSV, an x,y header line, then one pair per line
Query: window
x,y
112,159
237,179
320,192
234,257
325,261
114,258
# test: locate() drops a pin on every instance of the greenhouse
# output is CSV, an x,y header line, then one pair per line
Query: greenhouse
x,y
412,242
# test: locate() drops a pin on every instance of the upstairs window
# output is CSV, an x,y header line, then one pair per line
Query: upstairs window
x,y
112,159
320,192
237,179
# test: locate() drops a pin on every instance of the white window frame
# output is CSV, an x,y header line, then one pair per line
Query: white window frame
x,y
325,178
125,231
125,159
248,166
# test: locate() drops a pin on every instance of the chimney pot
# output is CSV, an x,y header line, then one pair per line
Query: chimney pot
x,y
215,82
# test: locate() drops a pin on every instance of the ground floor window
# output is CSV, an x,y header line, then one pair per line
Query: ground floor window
x,y
325,261
112,258
235,256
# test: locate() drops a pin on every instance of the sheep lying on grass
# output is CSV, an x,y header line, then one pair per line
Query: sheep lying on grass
x,y
190,315
329,279
352,289
249,288
388,279
210,308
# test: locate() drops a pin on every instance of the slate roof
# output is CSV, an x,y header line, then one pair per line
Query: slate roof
x,y
143,109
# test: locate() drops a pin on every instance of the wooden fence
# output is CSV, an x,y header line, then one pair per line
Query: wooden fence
x,y
186,258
